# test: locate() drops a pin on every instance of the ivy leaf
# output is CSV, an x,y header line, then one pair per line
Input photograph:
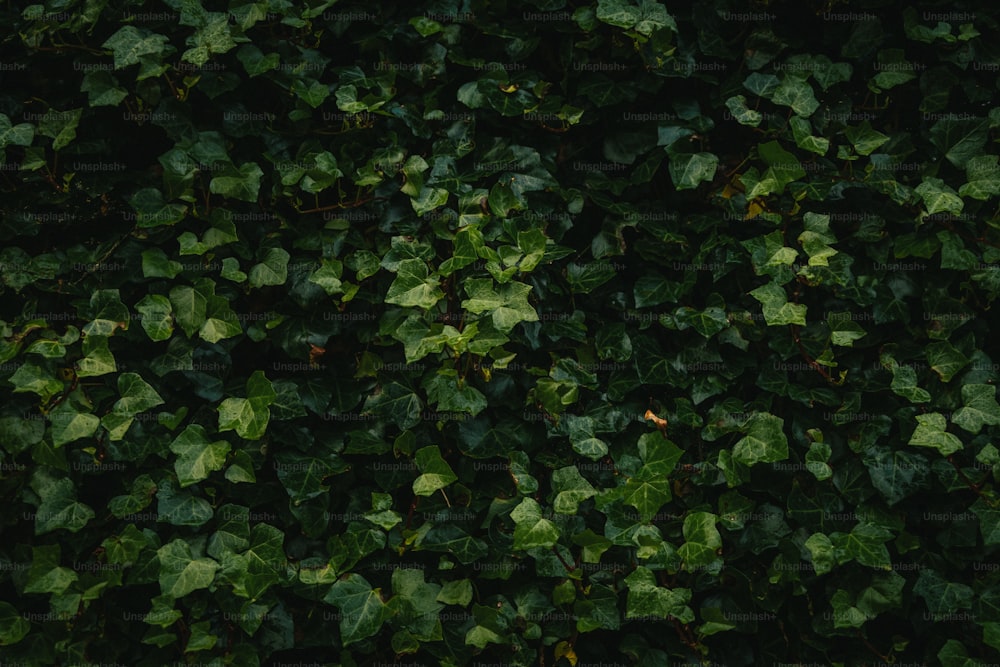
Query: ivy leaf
x,y
129,44
865,139
904,383
821,552
737,106
689,170
241,183
13,626
865,544
571,489
941,596
196,456
531,530
180,572
796,93
983,176
764,442
362,611
508,304
930,431
701,541
249,416
272,269
414,286
435,471
59,507
70,424
155,313
938,197
647,599
960,139
980,408
777,310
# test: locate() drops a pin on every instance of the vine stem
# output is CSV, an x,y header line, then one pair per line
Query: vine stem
x,y
974,487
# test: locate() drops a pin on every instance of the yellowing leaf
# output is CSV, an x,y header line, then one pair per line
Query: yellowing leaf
x,y
565,650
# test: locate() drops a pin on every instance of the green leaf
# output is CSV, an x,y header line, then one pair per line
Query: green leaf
x,y
362,611
531,530
646,599
435,471
960,139
930,432
941,596
155,315
777,310
737,106
865,544
196,456
451,394
783,167
241,183
181,572
904,383
60,126
821,551
68,424
190,306
508,304
21,134
272,269
764,442
945,360
30,377
129,44
701,541
938,197
645,18
249,416
688,170
328,276
585,278
796,93
571,489
864,139
59,507
13,626
46,575
980,407
102,89
414,286
153,210
989,521
983,175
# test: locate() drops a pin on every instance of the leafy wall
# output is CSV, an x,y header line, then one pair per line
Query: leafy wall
x,y
521,333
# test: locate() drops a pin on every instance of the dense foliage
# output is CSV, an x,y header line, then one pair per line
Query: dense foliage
x,y
521,333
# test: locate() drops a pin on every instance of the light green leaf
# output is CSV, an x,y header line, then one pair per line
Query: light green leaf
x,y
272,269
196,456
764,442
980,407
435,471
571,489
129,44
930,432
777,310
249,416
180,572
414,285
531,530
